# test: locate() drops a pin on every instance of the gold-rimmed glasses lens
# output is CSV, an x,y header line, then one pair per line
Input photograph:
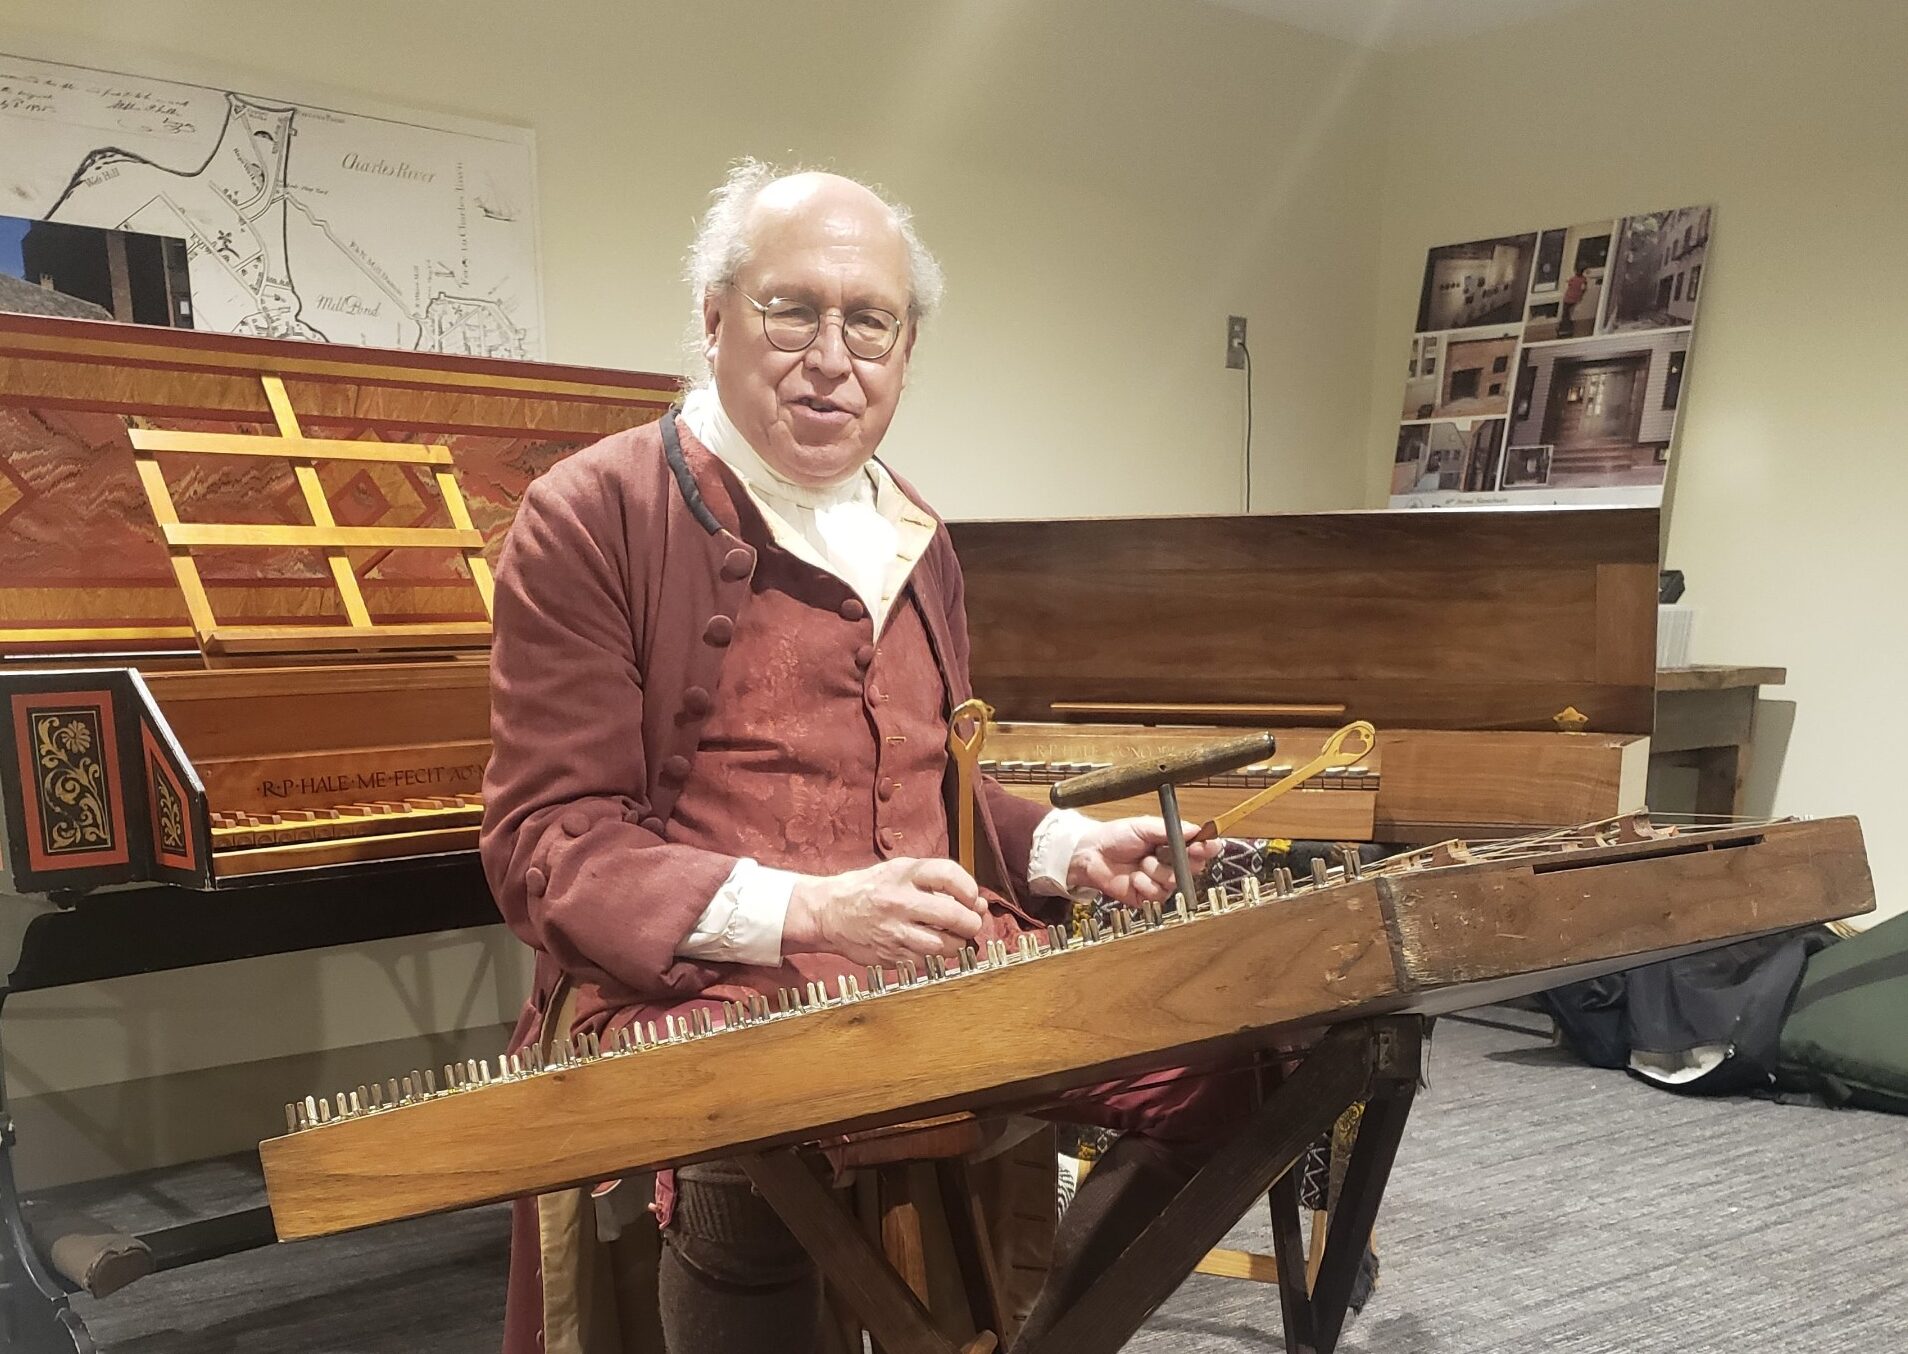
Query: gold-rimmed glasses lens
x,y
789,325
870,333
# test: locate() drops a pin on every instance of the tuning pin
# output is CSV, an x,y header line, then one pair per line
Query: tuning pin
x,y
847,987
1091,928
1282,882
324,1111
969,959
291,1118
669,1028
1179,906
1348,857
410,1092
705,1023
1057,939
376,1100
311,1109
391,1091
357,1104
652,1033
483,1072
1252,890
1320,875
470,1071
430,1083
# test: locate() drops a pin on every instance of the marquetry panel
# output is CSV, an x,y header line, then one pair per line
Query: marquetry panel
x,y
84,565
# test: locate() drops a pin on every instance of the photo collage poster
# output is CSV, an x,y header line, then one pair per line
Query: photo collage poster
x,y
1548,367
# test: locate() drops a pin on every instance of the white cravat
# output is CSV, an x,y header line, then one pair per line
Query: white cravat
x,y
848,528
865,531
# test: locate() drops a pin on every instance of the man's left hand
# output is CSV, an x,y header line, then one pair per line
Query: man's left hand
x,y
1129,862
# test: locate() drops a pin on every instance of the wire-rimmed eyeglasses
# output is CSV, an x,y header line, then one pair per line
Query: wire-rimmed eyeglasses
x,y
867,332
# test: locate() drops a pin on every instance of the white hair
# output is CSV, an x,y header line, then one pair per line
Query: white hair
x,y
721,247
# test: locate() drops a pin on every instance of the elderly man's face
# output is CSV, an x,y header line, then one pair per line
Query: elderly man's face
x,y
817,415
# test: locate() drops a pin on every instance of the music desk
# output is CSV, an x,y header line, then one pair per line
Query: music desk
x,y
1706,719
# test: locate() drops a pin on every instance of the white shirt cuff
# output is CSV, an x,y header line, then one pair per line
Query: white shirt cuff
x,y
743,922
1054,842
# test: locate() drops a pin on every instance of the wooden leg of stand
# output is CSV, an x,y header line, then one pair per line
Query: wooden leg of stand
x,y
1379,1131
901,1239
1335,1073
848,1260
973,1252
1295,1298
1315,1249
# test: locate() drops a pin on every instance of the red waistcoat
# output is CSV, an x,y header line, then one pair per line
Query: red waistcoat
x,y
826,746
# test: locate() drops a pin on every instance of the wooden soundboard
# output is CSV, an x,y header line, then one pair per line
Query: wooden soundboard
x,y
1435,931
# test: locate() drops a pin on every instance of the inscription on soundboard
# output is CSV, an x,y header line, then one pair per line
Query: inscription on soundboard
x,y
464,778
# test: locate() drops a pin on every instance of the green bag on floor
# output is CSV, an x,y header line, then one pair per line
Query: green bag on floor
x,y
1846,1038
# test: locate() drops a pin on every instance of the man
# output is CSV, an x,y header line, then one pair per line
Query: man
x,y
726,648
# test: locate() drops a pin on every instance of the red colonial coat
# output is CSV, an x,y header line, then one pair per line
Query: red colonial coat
x,y
619,592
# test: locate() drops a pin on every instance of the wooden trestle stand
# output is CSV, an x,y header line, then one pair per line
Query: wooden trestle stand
x,y
1375,1063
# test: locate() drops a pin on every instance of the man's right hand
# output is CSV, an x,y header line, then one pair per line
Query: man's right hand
x,y
900,909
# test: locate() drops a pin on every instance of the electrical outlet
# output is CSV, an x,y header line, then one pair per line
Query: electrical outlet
x,y
1235,343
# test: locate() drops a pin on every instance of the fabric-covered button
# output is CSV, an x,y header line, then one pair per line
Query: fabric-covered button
x,y
675,768
576,823
736,564
885,791
853,610
696,702
864,657
652,825
719,631
535,881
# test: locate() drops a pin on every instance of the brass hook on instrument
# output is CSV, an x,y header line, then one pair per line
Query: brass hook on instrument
x,y
966,750
982,714
1344,747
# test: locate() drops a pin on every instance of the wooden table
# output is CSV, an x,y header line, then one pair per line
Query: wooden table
x,y
1706,718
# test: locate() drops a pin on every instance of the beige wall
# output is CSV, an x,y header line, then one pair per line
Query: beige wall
x,y
1788,491
1104,184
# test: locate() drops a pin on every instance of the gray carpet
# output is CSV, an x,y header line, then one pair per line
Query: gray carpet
x,y
1537,1205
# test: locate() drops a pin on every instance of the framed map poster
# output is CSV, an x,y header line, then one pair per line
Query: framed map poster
x,y
297,220
1548,367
